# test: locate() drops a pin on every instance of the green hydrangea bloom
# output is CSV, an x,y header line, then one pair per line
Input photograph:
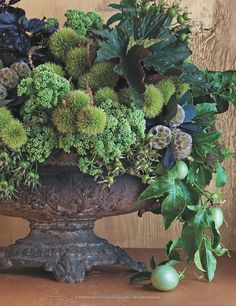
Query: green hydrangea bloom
x,y
44,87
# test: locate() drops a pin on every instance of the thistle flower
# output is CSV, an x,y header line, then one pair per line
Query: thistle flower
x,y
167,88
13,134
153,101
161,137
77,62
58,69
3,92
91,120
182,88
101,75
178,118
22,69
5,117
181,144
105,93
9,77
62,41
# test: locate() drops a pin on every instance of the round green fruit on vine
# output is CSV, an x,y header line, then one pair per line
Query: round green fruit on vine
x,y
182,170
217,216
181,20
172,12
165,278
184,36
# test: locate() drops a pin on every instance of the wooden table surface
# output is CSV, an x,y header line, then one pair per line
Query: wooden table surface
x,y
109,286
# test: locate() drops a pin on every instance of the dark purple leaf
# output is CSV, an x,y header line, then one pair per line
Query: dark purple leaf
x,y
11,2
168,160
190,113
35,25
190,128
184,99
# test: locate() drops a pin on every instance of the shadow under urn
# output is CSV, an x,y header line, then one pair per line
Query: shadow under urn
x,y
62,212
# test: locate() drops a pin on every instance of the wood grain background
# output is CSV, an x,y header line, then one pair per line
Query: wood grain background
x,y
214,47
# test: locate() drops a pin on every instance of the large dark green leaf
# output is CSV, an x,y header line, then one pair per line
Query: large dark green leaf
x,y
193,233
168,57
192,75
207,138
114,46
205,109
208,262
160,186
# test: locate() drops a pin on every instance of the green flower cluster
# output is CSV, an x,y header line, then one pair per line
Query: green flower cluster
x,y
44,87
82,22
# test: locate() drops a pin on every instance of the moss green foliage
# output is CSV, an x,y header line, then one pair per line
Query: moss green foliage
x,y
40,144
9,77
44,87
91,120
105,93
58,69
62,41
64,116
3,92
153,101
77,62
182,88
82,22
13,134
167,88
50,22
5,117
1,64
101,75
22,69
125,96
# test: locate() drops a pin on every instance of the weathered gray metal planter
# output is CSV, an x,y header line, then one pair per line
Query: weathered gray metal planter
x,y
62,212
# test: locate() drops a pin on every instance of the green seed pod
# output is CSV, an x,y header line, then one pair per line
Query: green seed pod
x,y
178,118
91,120
5,117
77,62
9,77
153,101
103,94
181,144
13,134
62,41
182,88
101,75
161,137
22,69
167,88
3,92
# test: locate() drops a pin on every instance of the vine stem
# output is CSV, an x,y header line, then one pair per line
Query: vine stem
x,y
204,192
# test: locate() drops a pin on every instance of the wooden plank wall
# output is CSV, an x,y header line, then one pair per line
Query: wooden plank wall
x,y
214,46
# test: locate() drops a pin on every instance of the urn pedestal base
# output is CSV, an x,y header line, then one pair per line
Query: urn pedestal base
x,y
67,249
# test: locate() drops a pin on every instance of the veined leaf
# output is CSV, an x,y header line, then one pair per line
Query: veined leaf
x,y
208,262
216,238
114,18
221,175
197,261
153,263
192,75
205,109
207,138
160,186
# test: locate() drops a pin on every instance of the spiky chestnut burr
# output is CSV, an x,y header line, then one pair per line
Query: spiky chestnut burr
x,y
153,101
8,77
178,118
161,137
91,120
181,144
5,117
167,88
13,134
77,62
105,93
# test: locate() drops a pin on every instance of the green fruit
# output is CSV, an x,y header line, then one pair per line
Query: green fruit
x,y
217,216
24,164
30,175
181,20
172,12
3,184
165,278
182,169
184,36
11,188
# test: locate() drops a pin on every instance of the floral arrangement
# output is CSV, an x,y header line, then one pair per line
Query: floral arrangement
x,y
124,97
